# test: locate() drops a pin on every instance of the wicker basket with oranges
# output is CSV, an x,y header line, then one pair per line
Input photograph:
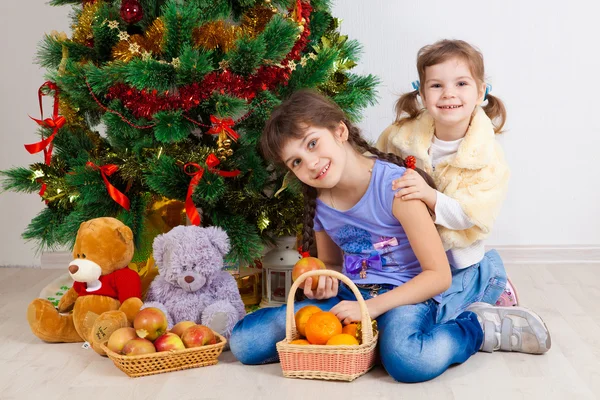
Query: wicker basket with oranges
x,y
327,352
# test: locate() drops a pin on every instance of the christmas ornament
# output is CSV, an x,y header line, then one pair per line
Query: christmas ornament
x,y
224,150
223,128
131,11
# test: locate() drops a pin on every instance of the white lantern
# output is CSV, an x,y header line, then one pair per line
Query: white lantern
x,y
277,271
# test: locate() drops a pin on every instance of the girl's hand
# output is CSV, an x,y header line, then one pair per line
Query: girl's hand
x,y
326,289
347,311
413,186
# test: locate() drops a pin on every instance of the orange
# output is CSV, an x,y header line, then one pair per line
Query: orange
x,y
351,329
300,341
302,315
342,338
321,326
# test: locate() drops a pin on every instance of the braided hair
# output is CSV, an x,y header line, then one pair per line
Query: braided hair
x,y
291,119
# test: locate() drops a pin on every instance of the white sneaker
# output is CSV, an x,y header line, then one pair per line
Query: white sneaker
x,y
511,329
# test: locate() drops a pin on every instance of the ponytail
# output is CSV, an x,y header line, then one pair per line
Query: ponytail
x,y
495,110
408,107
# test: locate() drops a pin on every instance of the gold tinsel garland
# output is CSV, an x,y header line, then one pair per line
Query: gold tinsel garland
x,y
216,35
139,46
222,35
154,35
82,30
72,116
255,19
124,50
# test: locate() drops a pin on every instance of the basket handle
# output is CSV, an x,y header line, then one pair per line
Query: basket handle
x,y
290,326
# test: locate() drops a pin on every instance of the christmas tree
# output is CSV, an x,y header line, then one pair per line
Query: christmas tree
x,y
166,99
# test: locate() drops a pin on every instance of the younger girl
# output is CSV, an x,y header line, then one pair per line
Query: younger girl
x,y
452,137
356,219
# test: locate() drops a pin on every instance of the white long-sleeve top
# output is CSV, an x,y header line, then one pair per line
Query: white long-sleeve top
x,y
450,214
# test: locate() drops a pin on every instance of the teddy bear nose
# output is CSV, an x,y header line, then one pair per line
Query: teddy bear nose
x,y
189,279
73,269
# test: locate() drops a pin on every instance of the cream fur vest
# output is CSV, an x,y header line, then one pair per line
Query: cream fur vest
x,y
476,176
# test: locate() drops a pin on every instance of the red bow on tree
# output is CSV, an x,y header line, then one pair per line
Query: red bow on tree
x,y
115,194
54,123
223,125
211,162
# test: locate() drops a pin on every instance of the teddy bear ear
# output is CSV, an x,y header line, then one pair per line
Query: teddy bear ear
x,y
125,233
218,238
158,248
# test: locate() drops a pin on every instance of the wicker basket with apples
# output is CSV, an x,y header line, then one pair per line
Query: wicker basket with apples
x,y
148,348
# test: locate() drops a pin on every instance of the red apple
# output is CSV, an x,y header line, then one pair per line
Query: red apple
x,y
117,340
198,335
308,264
150,323
180,327
168,341
138,346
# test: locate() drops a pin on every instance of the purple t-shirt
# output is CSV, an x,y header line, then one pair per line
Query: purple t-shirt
x,y
375,246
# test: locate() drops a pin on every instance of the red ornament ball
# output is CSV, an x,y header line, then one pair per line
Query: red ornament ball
x,y
131,11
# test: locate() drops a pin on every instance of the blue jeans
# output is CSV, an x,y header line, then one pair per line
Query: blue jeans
x,y
484,281
413,348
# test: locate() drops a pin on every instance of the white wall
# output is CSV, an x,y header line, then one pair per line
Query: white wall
x,y
542,59
22,26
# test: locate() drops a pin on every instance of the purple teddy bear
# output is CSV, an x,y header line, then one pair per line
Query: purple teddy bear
x,y
191,285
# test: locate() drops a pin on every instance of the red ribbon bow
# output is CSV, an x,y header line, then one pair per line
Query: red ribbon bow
x,y
303,254
211,161
54,123
410,162
223,125
108,170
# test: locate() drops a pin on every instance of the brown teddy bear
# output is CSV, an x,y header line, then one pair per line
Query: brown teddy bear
x,y
106,294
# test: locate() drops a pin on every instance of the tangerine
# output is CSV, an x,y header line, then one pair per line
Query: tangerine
x,y
351,329
321,326
302,316
342,339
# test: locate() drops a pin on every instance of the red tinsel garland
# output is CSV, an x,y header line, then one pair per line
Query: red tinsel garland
x,y
144,104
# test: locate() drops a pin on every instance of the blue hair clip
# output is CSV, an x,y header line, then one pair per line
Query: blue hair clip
x,y
416,85
488,89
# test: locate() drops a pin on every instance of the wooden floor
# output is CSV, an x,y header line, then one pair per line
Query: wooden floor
x,y
566,296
